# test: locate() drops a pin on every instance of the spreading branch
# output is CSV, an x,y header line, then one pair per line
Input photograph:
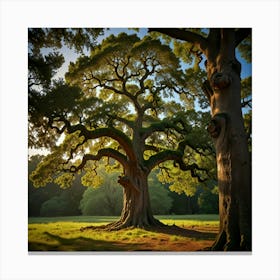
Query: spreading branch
x,y
183,35
106,152
167,123
111,132
241,34
177,157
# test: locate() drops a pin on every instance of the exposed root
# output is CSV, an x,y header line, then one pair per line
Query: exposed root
x,y
228,243
154,223
157,227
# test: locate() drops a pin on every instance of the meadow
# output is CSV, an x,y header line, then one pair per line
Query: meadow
x,y
186,233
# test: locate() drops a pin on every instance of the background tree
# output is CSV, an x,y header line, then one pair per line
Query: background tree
x,y
51,200
104,199
223,92
37,196
45,57
161,200
118,105
207,199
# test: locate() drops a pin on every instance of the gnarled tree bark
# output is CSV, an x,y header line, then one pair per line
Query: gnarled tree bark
x,y
223,90
228,133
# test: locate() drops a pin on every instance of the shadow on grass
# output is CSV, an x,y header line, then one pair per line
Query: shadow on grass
x,y
179,231
57,243
78,244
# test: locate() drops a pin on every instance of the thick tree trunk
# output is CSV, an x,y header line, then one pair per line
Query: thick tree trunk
x,y
233,160
136,210
223,89
234,182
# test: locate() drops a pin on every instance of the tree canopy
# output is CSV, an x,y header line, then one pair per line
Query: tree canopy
x,y
119,103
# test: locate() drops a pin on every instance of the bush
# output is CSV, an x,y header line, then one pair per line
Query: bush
x,y
55,206
208,201
161,202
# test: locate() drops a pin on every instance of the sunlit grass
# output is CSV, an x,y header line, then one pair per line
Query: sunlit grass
x,y
64,234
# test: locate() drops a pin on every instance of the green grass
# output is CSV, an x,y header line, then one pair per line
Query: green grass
x,y
64,234
78,219
108,219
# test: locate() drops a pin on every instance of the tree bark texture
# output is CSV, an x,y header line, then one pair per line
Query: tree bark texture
x,y
136,210
223,90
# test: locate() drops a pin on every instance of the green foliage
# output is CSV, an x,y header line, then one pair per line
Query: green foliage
x,y
51,167
184,181
91,179
42,68
182,49
161,202
103,200
245,49
56,206
208,199
52,200
183,204
65,180
76,38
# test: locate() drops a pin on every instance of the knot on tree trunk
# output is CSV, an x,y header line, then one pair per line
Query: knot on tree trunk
x,y
215,126
220,80
126,182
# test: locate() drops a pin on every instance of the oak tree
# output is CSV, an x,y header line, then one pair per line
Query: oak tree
x,y
127,102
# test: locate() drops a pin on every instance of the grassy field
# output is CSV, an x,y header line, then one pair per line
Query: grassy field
x,y
195,232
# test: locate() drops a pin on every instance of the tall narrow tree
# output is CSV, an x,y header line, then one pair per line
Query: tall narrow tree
x,y
223,91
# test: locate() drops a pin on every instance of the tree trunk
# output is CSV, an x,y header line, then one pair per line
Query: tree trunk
x,y
136,210
223,89
234,183
233,160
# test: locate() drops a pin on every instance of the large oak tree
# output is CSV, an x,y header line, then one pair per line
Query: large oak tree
x,y
126,101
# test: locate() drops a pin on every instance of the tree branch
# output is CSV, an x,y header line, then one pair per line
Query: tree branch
x,y
122,120
106,152
103,84
163,156
183,35
245,103
110,132
163,125
151,148
241,34
178,159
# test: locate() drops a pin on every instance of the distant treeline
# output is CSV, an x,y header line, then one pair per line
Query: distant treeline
x,y
52,200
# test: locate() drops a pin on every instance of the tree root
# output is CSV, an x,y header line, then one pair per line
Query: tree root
x,y
226,243
115,226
